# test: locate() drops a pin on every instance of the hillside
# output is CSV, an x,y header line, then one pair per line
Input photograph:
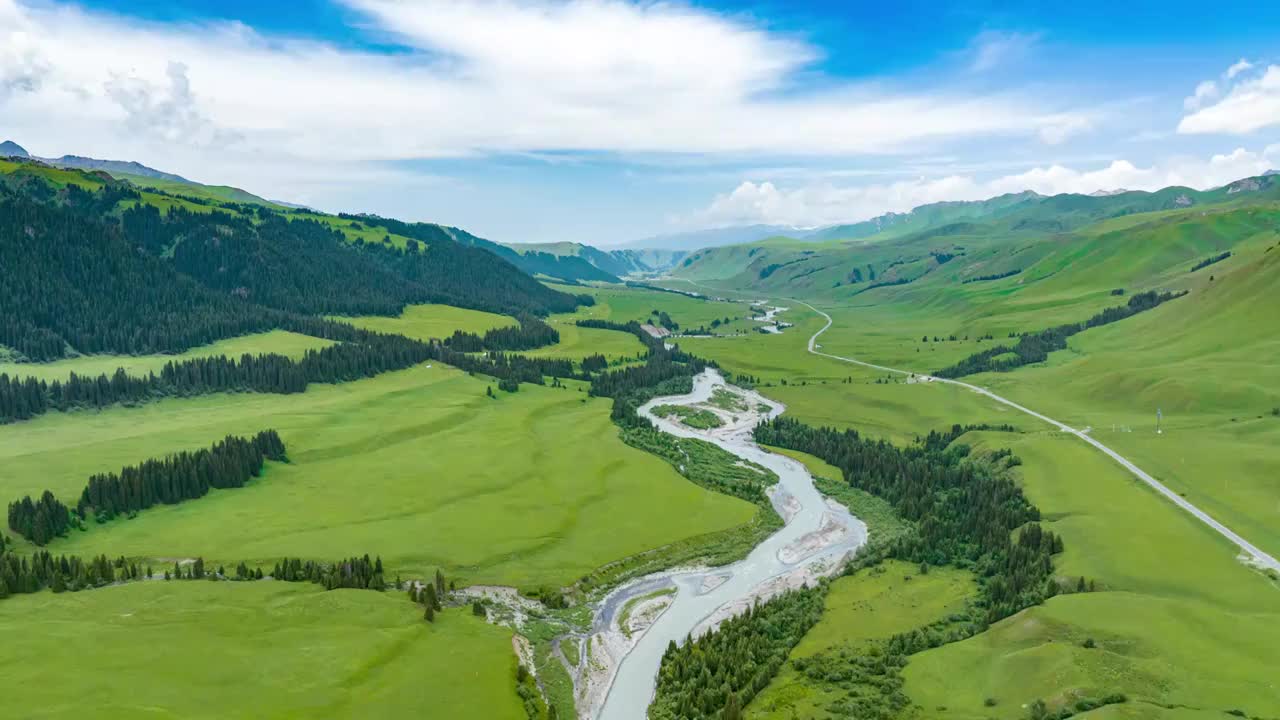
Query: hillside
x,y
100,264
1011,240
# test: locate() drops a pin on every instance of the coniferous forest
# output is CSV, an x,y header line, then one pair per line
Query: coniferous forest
x,y
83,281
182,476
968,513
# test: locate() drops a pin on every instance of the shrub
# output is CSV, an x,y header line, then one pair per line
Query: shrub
x,y
1089,643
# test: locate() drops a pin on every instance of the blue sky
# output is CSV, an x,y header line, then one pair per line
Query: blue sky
x,y
603,121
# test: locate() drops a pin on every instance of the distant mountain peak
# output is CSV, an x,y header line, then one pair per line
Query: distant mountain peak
x,y
9,148
128,167
1108,193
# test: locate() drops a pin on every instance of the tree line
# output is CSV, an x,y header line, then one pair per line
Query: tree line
x,y
715,675
170,480
358,572
1035,347
665,371
988,278
529,334
968,513
1210,261
20,574
361,354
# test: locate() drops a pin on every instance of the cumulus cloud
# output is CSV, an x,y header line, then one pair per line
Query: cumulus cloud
x,y
1205,92
485,76
828,204
168,110
1251,103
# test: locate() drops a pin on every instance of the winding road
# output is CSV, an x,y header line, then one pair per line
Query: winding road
x,y
1256,556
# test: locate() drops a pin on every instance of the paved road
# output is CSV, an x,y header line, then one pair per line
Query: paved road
x,y
1256,555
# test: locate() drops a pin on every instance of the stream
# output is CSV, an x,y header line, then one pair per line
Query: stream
x,y
818,535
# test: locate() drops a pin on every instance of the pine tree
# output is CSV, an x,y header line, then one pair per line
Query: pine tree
x,y
430,614
732,708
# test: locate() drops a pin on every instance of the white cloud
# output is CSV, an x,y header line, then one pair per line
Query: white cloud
x,y
992,49
1240,66
485,76
1205,92
1252,103
828,204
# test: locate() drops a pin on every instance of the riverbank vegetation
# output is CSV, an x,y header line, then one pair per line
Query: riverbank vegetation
x,y
696,418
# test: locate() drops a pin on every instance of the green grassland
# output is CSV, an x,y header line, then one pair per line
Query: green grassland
x,y
579,342
622,304
418,466
264,650
57,177
872,604
1178,622
214,193
280,342
424,322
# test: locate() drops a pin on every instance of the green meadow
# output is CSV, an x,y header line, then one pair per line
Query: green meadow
x,y
418,466
1176,622
579,342
622,304
425,322
873,604
196,649
280,342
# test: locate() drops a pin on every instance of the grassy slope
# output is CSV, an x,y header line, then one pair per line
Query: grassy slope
x,y
262,650
424,322
873,604
1180,622
280,342
216,193
418,466
1206,361
1201,359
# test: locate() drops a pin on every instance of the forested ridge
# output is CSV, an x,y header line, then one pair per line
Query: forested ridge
x,y
84,280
